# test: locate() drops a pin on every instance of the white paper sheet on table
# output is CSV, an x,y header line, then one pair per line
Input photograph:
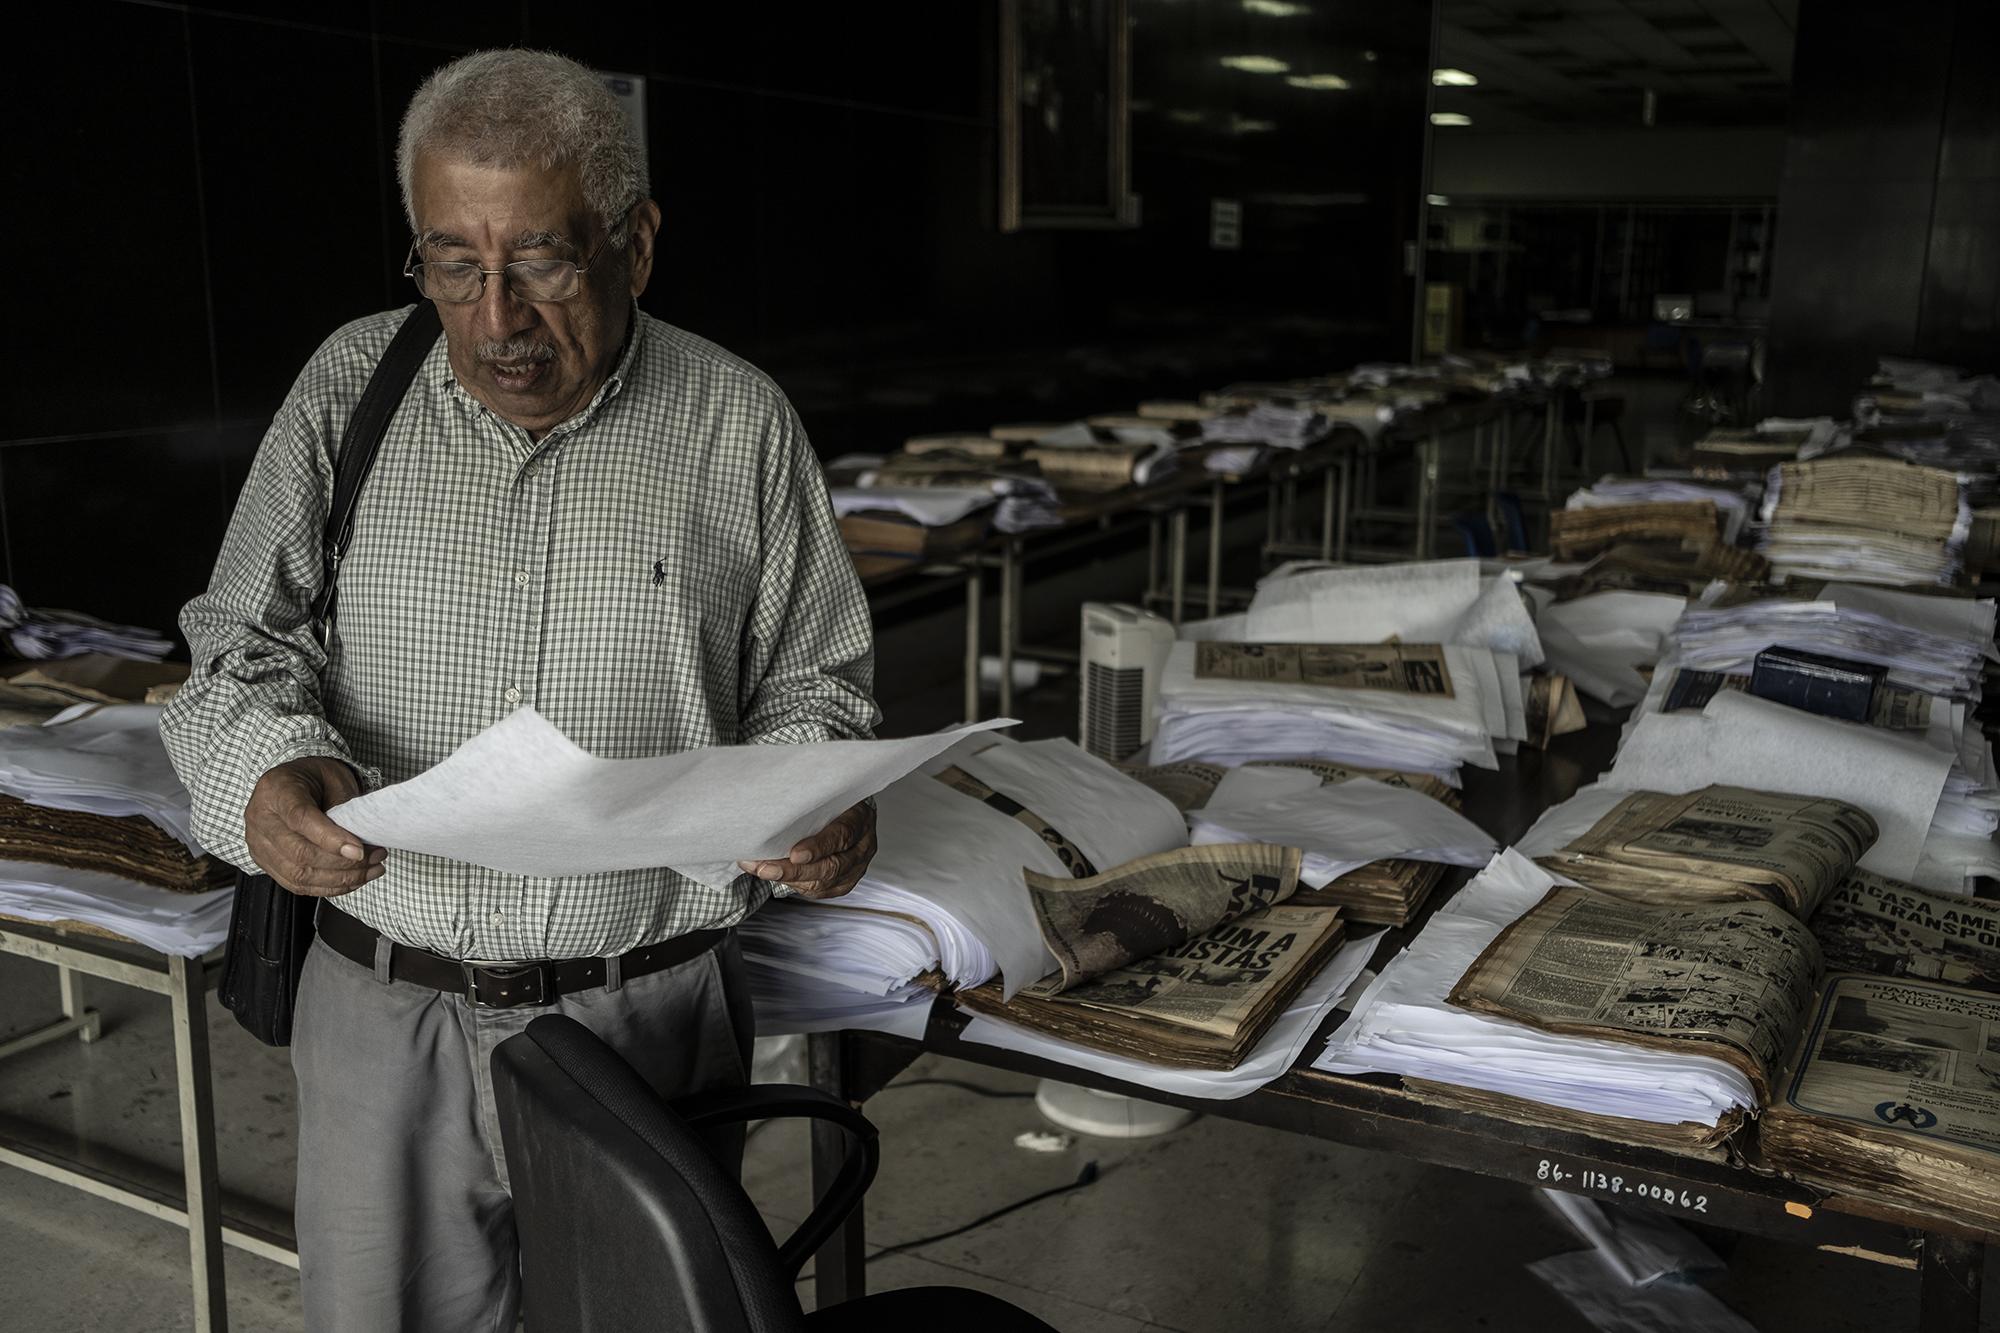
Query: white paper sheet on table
x,y
523,799
1601,640
1274,1055
103,760
1345,825
1743,741
1049,777
930,506
1419,603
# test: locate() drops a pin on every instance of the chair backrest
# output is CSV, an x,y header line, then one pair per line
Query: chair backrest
x,y
626,1221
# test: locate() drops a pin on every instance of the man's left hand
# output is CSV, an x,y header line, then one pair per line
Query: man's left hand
x,y
828,863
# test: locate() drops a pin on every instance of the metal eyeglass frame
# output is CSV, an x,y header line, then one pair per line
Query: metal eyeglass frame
x,y
411,264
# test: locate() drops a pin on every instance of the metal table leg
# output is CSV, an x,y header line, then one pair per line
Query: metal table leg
x,y
1326,510
1010,621
1427,487
1215,549
1153,544
1952,1269
1177,531
840,1271
1346,505
84,1022
972,608
188,993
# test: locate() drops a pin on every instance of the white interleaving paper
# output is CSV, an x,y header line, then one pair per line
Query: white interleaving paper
x,y
523,799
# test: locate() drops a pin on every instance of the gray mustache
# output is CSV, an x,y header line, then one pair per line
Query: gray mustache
x,y
515,349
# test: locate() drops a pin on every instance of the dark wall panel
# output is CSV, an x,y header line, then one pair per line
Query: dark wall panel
x,y
1890,200
221,176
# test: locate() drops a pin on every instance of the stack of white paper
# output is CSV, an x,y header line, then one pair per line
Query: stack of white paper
x,y
100,760
188,924
1938,645
945,890
1268,424
1236,722
1432,601
931,506
1339,827
1403,1024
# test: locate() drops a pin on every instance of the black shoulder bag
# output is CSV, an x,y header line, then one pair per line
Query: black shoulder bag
x,y
270,927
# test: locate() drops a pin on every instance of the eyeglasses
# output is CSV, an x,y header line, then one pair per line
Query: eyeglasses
x,y
458,281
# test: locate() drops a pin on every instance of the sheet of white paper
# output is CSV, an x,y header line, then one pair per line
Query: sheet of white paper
x,y
1420,603
1743,741
1586,1282
523,799
1359,820
1599,641
104,760
1274,1055
930,506
188,924
1051,777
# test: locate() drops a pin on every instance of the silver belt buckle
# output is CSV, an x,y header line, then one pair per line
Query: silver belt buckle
x,y
503,975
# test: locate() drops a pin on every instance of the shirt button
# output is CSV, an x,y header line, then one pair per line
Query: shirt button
x,y
511,694
497,919
520,578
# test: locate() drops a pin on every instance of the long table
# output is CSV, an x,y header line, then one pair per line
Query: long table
x,y
1378,1113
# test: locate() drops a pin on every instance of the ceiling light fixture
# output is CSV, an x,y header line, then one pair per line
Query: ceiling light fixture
x,y
1256,64
1450,118
1454,78
1244,125
1438,200
1276,9
1322,82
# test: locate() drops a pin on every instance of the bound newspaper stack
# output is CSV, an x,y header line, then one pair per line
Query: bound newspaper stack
x,y
1420,707
1580,532
1865,519
1182,959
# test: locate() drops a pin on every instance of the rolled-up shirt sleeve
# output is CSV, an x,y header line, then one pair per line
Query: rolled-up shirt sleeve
x,y
809,650
253,698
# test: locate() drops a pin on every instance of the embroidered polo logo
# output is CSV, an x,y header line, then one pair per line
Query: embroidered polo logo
x,y
659,571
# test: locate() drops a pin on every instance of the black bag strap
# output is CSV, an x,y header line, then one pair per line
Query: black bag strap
x,y
362,439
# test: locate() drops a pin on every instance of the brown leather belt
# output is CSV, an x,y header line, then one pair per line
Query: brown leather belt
x,y
511,985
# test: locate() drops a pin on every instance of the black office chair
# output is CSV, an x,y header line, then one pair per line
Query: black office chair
x,y
628,1224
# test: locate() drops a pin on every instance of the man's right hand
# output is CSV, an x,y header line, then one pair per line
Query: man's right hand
x,y
292,839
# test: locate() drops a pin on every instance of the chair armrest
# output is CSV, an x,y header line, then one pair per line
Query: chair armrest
x,y
783,1101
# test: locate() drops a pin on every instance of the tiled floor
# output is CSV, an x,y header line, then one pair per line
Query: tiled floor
x,y
1217,1228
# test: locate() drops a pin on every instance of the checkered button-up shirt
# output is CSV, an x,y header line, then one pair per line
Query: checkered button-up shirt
x,y
660,572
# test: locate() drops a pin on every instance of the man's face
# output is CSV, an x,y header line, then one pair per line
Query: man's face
x,y
535,364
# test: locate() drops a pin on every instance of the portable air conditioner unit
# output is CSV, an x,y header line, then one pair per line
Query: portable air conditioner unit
x,y
1124,653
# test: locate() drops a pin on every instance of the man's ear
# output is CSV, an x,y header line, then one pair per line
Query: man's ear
x,y
645,231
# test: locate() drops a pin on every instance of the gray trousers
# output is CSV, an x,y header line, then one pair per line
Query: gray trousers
x,y
403,1213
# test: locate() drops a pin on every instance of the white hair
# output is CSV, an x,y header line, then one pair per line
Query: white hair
x,y
511,108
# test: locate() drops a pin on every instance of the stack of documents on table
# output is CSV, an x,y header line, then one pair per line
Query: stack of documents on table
x,y
1865,519
1811,435
41,634
1733,504
1406,1024
96,828
1022,500
1938,645
1929,834
1904,384
1583,530
188,924
1267,424
944,894
1417,707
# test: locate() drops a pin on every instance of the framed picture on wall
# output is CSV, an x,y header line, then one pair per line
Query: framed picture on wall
x,y
1065,114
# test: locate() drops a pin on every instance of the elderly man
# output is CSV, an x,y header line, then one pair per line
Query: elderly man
x,y
576,507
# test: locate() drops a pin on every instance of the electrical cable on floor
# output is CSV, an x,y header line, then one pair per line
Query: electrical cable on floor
x,y
1087,1176
962,1085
